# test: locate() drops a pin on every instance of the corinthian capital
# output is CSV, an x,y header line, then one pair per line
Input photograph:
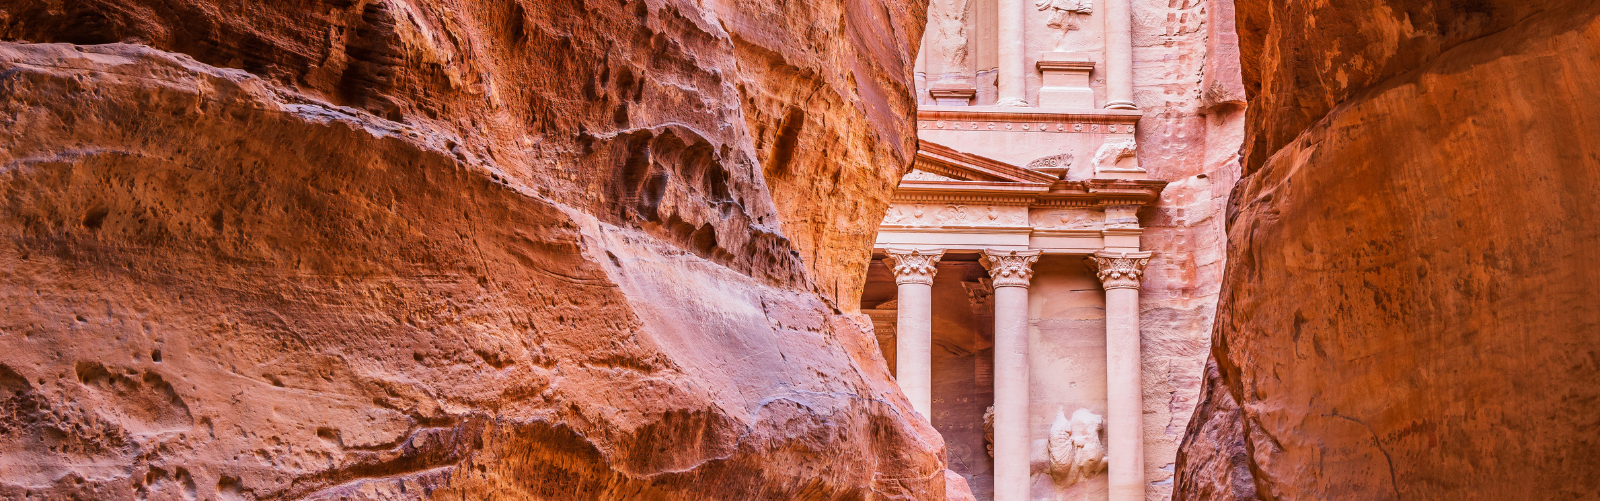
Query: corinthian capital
x,y
1010,268
915,266
1119,270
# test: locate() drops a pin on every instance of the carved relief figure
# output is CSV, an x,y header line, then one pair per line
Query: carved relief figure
x,y
1076,453
1117,155
947,38
988,430
1064,13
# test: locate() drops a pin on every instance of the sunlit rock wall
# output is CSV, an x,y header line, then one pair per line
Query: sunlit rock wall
x,y
1187,84
459,249
1408,311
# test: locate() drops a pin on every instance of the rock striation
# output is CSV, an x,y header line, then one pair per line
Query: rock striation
x,y
1406,310
402,249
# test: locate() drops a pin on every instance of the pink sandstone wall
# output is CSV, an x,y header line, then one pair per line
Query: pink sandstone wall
x,y
400,249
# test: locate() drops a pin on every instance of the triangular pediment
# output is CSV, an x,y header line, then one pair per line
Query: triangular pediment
x,y
922,175
943,161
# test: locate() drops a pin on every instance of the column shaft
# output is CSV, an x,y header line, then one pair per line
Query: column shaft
x,y
1119,54
1120,273
1011,273
1124,395
1013,78
1011,475
913,272
914,346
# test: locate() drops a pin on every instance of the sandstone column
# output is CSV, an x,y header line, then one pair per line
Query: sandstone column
x,y
1013,81
1011,272
913,272
1119,273
1119,55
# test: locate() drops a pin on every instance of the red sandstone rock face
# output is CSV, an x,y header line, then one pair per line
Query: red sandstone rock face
x,y
1408,307
412,248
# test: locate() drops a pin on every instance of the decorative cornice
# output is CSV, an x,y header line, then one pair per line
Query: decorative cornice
x,y
915,266
953,92
1002,119
1091,193
1065,65
1010,268
1119,270
944,160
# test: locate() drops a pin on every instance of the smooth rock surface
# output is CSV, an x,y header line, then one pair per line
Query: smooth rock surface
x,y
402,249
1408,309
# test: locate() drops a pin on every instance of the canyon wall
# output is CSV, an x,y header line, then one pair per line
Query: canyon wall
x,y
400,249
1407,310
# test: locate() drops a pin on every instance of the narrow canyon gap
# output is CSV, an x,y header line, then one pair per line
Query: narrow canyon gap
x,y
1408,309
375,249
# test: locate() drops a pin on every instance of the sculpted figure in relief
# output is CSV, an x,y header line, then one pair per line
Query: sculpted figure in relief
x,y
1076,453
988,430
947,36
1064,13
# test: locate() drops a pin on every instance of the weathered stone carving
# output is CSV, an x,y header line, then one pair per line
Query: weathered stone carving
x,y
1064,13
956,215
981,295
1075,450
1122,216
1069,219
1010,268
1119,270
919,175
1117,155
988,430
1061,161
947,40
915,266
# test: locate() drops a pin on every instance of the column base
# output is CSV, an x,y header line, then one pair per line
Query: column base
x,y
1121,105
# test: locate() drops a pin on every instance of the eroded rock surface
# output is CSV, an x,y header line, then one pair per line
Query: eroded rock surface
x,y
1407,311
426,248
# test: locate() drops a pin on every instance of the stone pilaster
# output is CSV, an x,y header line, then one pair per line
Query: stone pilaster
x,y
913,273
1119,273
1011,273
1119,55
1013,79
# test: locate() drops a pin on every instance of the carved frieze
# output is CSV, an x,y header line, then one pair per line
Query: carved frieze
x,y
914,266
1119,270
1122,216
1010,268
955,214
921,175
1068,219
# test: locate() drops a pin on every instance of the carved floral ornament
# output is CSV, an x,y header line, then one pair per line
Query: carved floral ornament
x,y
1121,270
1010,268
915,266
